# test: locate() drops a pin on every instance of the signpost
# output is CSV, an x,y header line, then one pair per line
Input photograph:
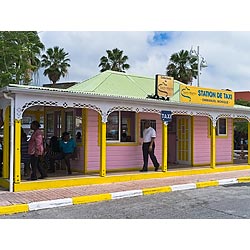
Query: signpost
x,y
166,116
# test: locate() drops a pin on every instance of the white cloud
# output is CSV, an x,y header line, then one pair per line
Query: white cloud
x,y
226,53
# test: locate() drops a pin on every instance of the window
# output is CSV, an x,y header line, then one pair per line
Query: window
x,y
69,122
78,125
121,126
221,126
50,125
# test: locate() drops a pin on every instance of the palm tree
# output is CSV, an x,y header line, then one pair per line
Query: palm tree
x,y
183,67
115,61
56,64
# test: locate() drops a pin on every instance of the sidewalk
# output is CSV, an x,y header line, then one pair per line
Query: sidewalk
x,y
41,199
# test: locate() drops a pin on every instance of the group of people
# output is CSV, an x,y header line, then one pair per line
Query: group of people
x,y
33,152
61,149
65,148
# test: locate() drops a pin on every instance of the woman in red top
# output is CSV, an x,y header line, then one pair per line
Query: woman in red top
x,y
35,150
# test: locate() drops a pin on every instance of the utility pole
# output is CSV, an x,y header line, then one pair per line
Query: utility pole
x,y
200,61
199,67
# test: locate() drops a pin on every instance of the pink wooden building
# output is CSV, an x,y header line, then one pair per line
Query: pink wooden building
x,y
109,105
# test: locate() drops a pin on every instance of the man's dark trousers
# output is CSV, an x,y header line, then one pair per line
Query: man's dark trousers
x,y
146,152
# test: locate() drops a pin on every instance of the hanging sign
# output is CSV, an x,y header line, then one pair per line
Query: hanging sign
x,y
164,86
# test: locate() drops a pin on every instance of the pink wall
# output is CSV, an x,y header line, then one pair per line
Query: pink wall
x,y
122,157
224,146
202,142
93,150
119,157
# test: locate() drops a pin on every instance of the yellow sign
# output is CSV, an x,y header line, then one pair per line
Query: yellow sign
x,y
164,86
206,96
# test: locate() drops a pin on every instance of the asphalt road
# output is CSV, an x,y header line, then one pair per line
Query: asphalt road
x,y
221,202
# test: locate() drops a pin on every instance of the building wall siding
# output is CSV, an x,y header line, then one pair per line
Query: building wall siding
x,y
224,146
202,142
120,156
93,149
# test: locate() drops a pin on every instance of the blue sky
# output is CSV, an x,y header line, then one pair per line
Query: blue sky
x,y
160,38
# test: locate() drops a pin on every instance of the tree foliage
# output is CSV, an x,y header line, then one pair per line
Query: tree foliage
x,y
242,127
19,56
115,61
183,67
56,63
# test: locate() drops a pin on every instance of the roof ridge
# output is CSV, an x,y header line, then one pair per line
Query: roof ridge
x,y
131,79
101,81
128,74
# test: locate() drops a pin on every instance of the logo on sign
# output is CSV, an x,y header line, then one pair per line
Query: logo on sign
x,y
166,116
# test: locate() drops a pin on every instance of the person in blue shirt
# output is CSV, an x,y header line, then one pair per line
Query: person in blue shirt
x,y
67,146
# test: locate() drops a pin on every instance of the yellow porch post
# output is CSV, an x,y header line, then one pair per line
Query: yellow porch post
x,y
6,143
103,150
248,141
213,147
84,139
17,150
164,146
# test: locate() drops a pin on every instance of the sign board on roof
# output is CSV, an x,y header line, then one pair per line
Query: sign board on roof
x,y
217,97
164,85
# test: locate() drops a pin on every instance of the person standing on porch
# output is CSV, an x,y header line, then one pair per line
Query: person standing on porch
x,y
148,147
35,150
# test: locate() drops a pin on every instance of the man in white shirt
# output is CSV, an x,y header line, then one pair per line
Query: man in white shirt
x,y
148,147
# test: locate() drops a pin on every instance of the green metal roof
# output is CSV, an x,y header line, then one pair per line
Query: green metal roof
x,y
111,83
118,84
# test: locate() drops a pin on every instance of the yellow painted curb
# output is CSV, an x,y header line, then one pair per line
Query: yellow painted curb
x,y
86,180
12,209
244,179
148,191
204,184
91,198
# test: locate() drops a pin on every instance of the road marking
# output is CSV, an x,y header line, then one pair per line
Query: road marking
x,y
183,186
125,194
50,204
228,181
